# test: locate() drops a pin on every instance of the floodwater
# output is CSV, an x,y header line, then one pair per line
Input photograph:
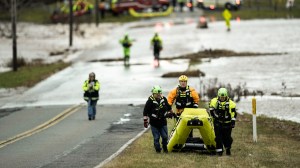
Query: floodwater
x,y
132,85
264,73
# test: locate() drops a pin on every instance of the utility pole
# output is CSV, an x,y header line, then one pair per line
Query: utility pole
x,y
97,11
14,30
71,22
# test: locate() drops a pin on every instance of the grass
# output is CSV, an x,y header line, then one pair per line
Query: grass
x,y
278,146
30,75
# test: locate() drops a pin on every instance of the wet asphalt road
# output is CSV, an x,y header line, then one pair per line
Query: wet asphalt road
x,y
74,141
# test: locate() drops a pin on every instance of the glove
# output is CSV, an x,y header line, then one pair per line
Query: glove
x,y
232,123
91,85
145,123
169,114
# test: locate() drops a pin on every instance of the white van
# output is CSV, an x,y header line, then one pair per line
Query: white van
x,y
219,4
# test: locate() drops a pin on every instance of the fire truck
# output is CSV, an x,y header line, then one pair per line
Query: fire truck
x,y
122,6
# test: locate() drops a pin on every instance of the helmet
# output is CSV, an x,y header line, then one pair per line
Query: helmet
x,y
222,92
156,89
92,74
183,78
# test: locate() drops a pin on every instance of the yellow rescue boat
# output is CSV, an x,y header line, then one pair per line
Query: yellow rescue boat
x,y
151,14
193,118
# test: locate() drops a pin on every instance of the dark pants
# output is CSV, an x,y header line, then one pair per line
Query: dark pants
x,y
223,136
126,61
158,132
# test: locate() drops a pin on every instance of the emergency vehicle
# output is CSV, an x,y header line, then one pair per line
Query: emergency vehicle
x,y
219,4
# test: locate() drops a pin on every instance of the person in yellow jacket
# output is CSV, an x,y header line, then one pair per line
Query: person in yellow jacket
x,y
126,42
223,111
91,89
157,46
227,16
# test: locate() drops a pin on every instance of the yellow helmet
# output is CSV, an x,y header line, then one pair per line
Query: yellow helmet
x,y
183,78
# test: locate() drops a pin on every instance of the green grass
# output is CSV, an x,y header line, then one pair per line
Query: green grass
x,y
278,146
29,75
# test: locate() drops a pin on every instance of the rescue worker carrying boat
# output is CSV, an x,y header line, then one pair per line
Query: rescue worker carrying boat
x,y
223,111
184,96
157,110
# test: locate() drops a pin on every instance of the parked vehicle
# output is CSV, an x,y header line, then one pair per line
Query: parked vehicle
x,y
122,6
219,4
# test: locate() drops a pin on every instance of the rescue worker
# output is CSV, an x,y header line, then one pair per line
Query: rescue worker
x,y
102,8
223,111
156,45
183,96
181,4
227,16
157,110
91,89
126,43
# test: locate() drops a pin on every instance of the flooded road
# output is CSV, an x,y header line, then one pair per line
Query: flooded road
x,y
120,85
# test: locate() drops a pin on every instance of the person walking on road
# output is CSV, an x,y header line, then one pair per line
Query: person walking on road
x,y
126,43
91,89
157,110
227,16
223,111
183,96
157,46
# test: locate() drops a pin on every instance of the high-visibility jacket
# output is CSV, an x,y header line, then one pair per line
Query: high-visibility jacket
x,y
156,110
183,98
222,112
91,92
156,42
226,14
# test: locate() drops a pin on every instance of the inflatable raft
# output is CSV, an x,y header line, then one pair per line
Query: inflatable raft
x,y
190,119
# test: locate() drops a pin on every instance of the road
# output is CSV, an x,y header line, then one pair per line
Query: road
x,y
73,142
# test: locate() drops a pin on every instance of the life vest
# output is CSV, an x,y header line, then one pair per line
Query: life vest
x,y
184,98
159,110
222,112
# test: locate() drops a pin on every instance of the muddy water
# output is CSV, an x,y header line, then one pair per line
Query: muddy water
x,y
270,74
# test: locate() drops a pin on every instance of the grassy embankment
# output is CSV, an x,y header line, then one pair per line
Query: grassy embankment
x,y
29,75
278,146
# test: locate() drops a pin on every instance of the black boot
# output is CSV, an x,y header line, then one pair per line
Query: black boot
x,y
219,153
165,149
228,151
